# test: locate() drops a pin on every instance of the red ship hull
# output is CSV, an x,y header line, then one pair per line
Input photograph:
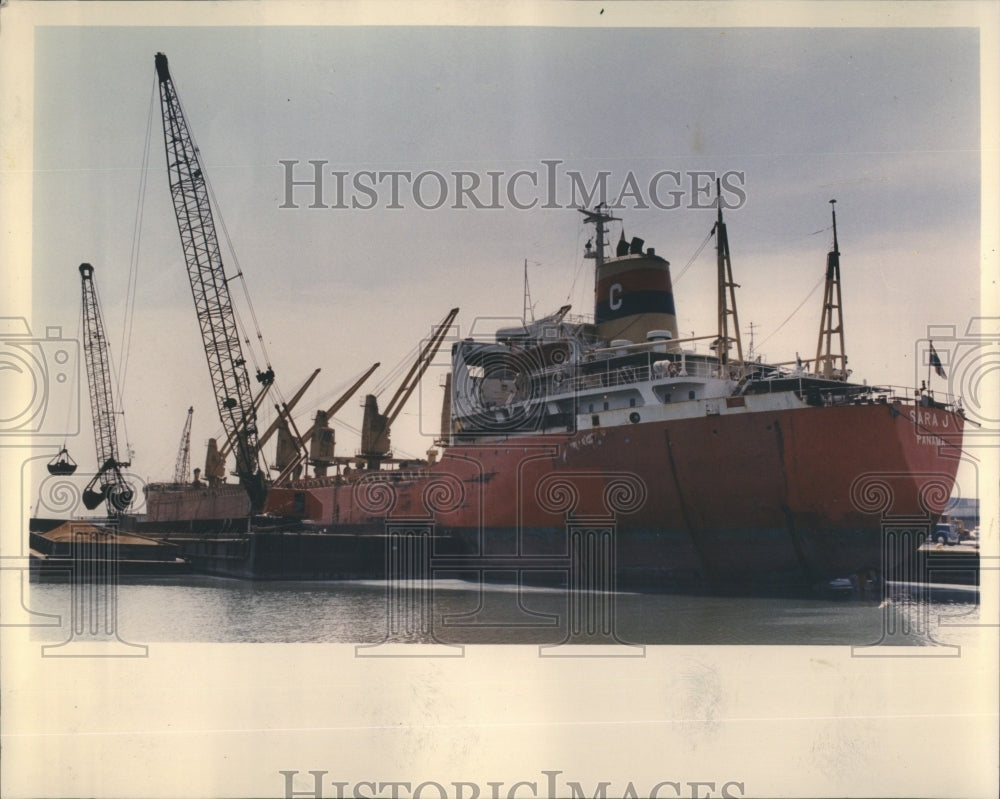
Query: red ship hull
x,y
769,497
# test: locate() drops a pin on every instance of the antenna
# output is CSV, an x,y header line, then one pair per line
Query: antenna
x,y
750,351
529,308
598,218
727,297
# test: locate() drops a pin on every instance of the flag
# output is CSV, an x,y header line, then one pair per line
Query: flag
x,y
936,362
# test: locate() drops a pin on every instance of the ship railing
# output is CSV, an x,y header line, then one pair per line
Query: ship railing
x,y
217,489
372,476
922,396
855,394
558,382
390,475
578,319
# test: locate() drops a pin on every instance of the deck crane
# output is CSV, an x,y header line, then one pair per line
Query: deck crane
x,y
209,286
285,409
375,426
184,451
319,429
108,484
215,460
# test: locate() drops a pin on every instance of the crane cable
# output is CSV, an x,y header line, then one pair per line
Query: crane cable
x,y
397,371
221,225
73,387
240,325
797,309
239,274
694,257
133,273
812,291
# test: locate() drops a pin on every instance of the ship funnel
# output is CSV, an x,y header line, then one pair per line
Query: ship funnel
x,y
633,296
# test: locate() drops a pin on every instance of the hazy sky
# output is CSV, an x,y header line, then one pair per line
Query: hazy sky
x,y
884,120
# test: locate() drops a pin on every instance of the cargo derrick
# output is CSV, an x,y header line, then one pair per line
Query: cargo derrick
x,y
319,437
183,462
375,426
113,487
210,290
283,424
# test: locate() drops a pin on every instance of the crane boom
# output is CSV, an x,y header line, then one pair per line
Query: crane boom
x,y
227,445
210,289
375,426
307,436
288,408
113,487
416,372
183,463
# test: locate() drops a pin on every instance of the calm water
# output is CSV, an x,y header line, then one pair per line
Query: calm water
x,y
218,610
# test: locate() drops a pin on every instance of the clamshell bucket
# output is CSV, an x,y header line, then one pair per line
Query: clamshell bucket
x,y
91,498
62,463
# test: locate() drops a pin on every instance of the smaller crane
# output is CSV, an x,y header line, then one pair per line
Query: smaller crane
x,y
375,426
294,454
113,487
183,463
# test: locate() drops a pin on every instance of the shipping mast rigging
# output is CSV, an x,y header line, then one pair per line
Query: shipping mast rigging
x,y
830,363
726,299
210,289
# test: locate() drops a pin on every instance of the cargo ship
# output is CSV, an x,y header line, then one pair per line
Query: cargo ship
x,y
614,440
605,452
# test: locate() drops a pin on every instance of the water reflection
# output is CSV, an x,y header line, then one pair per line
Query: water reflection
x,y
455,612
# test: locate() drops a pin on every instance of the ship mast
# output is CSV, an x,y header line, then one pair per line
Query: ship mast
x,y
825,357
598,219
727,297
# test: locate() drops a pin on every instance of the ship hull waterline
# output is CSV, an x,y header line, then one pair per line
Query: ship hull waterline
x,y
734,501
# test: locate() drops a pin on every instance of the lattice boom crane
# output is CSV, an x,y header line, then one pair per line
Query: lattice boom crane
x,y
209,287
113,487
183,463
